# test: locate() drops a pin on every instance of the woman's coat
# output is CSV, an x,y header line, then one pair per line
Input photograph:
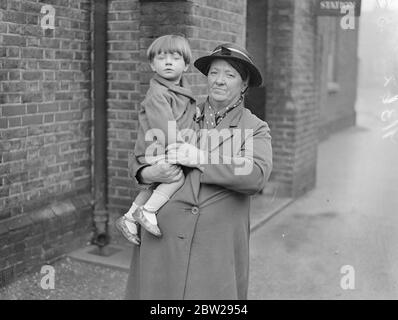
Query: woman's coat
x,y
204,250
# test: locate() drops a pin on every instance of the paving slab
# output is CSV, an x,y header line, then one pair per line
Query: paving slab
x,y
115,256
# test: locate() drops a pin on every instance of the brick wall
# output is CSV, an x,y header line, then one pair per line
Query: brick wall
x,y
123,98
304,97
210,24
280,114
45,126
291,99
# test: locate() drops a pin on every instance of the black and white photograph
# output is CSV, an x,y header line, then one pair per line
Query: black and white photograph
x,y
198,150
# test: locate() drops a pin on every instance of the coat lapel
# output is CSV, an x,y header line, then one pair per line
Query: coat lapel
x,y
225,129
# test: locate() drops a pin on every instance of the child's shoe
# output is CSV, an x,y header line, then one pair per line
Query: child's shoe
x,y
139,216
122,227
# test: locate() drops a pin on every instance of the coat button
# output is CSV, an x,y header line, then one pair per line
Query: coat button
x,y
195,210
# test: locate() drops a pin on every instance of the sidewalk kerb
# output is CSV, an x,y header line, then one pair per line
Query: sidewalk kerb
x,y
271,214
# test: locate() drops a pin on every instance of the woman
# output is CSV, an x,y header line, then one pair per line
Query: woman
x,y
204,251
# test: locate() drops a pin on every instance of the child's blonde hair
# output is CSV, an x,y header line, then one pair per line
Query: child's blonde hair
x,y
169,44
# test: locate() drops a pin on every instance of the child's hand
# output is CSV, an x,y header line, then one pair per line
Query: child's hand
x,y
162,173
185,154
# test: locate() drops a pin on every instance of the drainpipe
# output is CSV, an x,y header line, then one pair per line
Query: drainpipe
x,y
101,236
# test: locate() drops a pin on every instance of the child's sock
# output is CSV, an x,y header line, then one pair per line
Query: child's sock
x,y
151,216
129,213
131,225
154,203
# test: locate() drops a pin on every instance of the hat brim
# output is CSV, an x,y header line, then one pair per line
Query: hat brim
x,y
255,78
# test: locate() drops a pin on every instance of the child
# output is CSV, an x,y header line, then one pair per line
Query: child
x,y
167,100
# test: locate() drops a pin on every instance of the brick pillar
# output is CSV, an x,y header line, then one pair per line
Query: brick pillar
x,y
210,24
157,19
292,108
205,26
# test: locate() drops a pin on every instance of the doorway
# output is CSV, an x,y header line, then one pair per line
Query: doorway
x,y
256,44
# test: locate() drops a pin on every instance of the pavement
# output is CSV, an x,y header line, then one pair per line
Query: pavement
x,y
339,241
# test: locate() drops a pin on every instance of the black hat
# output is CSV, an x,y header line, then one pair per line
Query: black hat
x,y
230,51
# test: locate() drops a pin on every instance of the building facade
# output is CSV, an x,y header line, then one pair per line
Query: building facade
x,y
48,105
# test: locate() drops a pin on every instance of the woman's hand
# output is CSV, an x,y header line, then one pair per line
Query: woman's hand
x,y
185,154
161,172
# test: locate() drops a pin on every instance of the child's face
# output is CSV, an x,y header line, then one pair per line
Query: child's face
x,y
169,65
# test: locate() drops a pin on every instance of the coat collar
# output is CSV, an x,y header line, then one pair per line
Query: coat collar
x,y
184,89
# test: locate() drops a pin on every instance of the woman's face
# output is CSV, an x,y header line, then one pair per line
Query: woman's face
x,y
224,84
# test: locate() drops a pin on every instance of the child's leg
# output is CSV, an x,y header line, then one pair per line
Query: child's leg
x,y
139,201
159,197
126,224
